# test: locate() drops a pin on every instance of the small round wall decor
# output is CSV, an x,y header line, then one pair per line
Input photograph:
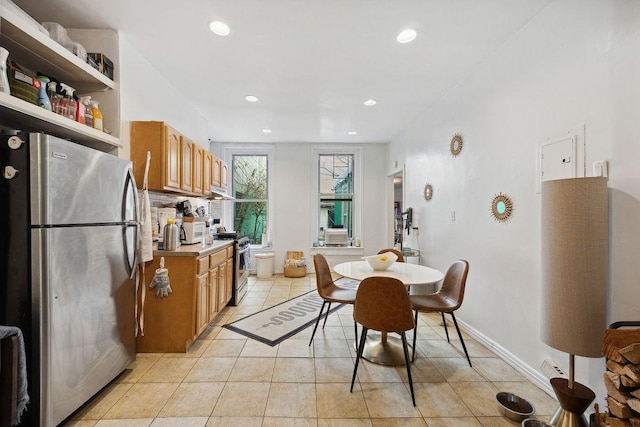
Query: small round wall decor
x,y
501,207
428,192
456,144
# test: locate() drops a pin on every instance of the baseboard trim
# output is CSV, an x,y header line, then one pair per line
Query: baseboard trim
x,y
533,375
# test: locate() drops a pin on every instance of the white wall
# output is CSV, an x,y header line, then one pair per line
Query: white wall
x,y
577,62
146,95
291,194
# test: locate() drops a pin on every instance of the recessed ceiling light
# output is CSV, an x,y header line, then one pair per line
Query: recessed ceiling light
x,y
266,130
352,132
219,28
407,35
370,102
251,98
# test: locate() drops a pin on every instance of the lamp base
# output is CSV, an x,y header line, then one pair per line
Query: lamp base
x,y
564,418
573,402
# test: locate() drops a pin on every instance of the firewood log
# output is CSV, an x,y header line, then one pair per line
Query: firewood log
x,y
612,391
616,367
616,339
634,404
616,422
632,353
632,372
628,382
618,409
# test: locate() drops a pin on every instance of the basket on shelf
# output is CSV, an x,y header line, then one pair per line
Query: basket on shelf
x,y
295,264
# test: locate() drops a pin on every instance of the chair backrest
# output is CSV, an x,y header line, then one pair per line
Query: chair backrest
x,y
382,304
455,282
395,251
324,280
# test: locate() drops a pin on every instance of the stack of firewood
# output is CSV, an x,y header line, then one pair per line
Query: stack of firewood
x,y
622,378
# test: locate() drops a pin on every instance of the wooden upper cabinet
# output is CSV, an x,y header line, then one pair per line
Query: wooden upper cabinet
x,y
207,169
215,174
186,174
223,174
171,164
178,164
198,169
163,142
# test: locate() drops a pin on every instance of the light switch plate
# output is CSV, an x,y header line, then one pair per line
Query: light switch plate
x,y
600,168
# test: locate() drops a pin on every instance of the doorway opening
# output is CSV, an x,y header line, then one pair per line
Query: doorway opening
x,y
398,199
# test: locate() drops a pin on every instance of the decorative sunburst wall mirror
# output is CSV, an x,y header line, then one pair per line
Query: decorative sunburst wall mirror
x,y
456,144
501,207
428,192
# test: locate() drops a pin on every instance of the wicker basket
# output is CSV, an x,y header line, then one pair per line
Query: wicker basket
x,y
295,271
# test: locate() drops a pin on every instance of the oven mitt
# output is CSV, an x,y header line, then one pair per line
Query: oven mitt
x,y
161,282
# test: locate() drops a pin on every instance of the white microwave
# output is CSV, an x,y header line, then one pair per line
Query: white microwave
x,y
192,232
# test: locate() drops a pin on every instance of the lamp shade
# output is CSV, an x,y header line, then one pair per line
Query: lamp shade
x,y
574,264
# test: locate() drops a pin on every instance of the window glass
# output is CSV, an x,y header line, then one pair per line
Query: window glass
x,y
250,188
335,178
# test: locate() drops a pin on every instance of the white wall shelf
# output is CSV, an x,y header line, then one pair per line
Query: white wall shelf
x,y
23,115
37,52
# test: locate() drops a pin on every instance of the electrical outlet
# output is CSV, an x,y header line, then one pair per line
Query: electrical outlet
x,y
551,369
453,215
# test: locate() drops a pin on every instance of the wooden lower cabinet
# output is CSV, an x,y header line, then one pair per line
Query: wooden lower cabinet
x,y
171,324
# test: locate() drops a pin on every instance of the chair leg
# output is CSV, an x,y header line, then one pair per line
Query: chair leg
x,y
406,359
355,328
327,315
363,338
464,347
317,321
415,334
444,323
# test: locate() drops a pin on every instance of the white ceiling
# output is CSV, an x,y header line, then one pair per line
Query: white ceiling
x,y
312,63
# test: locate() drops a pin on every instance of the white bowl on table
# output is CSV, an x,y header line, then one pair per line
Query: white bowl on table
x,y
381,261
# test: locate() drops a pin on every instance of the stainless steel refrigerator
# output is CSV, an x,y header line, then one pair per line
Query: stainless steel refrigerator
x,y
68,227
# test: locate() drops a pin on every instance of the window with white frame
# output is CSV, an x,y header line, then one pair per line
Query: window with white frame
x,y
337,183
250,178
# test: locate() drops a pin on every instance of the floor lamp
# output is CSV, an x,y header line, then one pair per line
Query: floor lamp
x,y
574,282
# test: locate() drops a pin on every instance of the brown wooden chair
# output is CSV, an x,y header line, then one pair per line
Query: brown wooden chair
x,y
382,304
447,300
395,251
329,292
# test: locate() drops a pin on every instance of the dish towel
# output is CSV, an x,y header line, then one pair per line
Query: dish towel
x,y
23,394
146,239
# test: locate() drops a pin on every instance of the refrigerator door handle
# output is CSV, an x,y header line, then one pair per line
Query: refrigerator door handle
x,y
130,183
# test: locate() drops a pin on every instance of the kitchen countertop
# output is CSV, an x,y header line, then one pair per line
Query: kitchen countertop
x,y
193,250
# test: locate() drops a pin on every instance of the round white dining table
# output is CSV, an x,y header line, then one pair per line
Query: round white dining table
x,y
380,348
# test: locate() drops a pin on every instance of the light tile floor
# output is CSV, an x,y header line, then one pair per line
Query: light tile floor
x,y
228,380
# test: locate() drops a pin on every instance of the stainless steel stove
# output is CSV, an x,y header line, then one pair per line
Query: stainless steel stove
x,y
240,265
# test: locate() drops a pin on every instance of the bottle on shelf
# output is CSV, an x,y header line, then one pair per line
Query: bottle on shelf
x,y
97,115
88,114
80,110
68,104
4,78
43,97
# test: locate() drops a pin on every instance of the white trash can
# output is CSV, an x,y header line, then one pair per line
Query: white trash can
x,y
264,265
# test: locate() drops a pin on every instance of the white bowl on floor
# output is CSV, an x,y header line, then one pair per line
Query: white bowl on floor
x,y
381,261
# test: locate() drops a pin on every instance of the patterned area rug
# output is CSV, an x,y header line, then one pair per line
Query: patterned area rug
x,y
275,324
